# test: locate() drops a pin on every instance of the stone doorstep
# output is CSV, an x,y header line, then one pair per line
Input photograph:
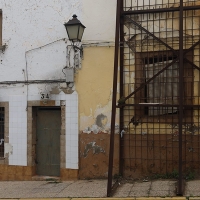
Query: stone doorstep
x,y
46,178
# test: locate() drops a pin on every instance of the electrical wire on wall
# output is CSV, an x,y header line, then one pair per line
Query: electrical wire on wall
x,y
32,82
26,73
98,44
76,64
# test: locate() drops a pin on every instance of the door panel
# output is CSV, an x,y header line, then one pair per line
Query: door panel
x,y
48,141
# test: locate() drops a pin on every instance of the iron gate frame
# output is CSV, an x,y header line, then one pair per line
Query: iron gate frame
x,y
121,15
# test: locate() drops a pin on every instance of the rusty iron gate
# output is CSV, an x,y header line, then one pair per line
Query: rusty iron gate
x,y
159,89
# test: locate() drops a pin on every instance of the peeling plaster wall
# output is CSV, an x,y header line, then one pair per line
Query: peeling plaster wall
x,y
32,24
94,86
28,25
33,32
36,50
94,155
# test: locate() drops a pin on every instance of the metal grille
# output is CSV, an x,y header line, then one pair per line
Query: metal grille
x,y
2,118
159,88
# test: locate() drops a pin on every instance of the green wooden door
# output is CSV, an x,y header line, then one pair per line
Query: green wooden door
x,y
48,141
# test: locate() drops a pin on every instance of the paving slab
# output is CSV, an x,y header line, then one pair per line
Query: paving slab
x,y
140,189
157,188
123,190
128,198
31,189
89,189
162,188
105,198
192,188
42,199
161,198
85,188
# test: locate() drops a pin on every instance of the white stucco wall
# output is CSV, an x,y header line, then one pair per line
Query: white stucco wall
x,y
28,25
99,18
31,24
36,42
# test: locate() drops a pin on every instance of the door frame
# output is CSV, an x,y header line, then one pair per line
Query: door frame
x,y
32,110
69,139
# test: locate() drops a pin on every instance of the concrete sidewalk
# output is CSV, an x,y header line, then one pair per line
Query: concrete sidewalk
x,y
94,189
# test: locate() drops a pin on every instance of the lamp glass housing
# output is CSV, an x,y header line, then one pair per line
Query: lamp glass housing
x,y
80,33
74,29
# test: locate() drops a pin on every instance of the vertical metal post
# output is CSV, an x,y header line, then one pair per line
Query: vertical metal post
x,y
114,96
180,185
121,139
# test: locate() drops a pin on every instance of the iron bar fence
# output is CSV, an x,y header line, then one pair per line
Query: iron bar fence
x,y
159,89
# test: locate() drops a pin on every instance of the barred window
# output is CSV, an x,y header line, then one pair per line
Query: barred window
x,y
163,89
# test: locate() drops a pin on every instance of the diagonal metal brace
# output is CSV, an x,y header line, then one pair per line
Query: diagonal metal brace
x,y
151,34
153,77
175,60
191,63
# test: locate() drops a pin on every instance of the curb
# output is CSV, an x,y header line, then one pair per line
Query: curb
x,y
128,198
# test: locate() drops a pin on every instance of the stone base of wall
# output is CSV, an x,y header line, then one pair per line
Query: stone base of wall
x,y
68,174
16,173
25,173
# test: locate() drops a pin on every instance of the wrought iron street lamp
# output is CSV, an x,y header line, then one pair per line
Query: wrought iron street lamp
x,y
74,29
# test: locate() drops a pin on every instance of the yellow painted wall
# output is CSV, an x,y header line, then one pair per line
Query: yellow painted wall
x,y
94,87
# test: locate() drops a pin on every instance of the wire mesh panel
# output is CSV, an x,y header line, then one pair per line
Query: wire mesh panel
x,y
151,88
2,116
